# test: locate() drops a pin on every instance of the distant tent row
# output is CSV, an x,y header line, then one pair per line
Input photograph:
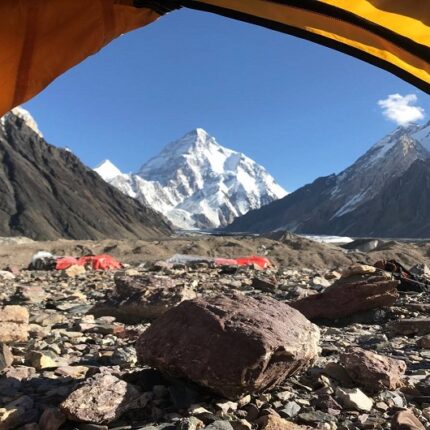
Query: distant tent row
x,y
41,39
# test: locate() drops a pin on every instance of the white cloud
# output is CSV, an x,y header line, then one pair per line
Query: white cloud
x,y
401,109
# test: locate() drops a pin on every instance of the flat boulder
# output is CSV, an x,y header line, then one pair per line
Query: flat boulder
x,y
410,326
232,344
372,371
144,297
359,290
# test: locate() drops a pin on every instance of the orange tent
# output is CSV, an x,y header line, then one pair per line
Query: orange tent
x,y
41,39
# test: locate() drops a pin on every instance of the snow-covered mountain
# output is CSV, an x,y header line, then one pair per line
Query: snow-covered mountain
x,y
197,183
354,202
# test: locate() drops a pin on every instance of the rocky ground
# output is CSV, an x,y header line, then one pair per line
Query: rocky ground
x,y
69,339
284,249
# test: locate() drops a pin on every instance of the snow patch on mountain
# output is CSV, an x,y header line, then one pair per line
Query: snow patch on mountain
x,y
107,170
423,136
26,116
197,183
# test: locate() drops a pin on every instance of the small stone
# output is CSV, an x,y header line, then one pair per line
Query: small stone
x,y
11,332
284,395
338,373
17,413
252,412
227,407
354,398
6,356
75,372
6,275
244,401
382,406
315,417
273,422
14,324
189,423
124,357
327,403
406,327
41,359
51,419
373,371
406,420
424,342
290,410
219,425
100,400
265,284
75,270
30,294
241,424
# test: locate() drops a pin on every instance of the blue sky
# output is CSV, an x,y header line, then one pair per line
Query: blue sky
x,y
299,109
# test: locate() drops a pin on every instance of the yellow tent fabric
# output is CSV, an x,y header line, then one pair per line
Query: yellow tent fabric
x,y
41,39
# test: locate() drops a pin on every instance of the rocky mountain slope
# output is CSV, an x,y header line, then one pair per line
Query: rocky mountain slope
x,y
382,194
197,183
47,193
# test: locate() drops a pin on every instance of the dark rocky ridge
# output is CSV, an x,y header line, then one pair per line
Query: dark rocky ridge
x,y
47,193
385,193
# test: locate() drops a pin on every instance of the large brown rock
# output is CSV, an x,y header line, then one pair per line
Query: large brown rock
x,y
100,400
138,298
358,291
14,324
373,371
231,344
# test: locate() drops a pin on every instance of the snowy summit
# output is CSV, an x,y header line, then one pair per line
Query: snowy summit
x,y
26,116
197,183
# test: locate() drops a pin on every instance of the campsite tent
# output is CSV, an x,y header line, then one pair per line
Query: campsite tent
x,y
41,39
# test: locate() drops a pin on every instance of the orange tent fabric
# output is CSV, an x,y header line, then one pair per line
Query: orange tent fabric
x,y
41,39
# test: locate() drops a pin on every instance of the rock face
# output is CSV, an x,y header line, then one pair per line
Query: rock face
x,y
100,400
372,371
266,340
349,295
14,324
385,193
138,298
47,193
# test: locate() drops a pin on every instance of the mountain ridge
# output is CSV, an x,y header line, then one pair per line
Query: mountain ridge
x,y
334,204
47,193
198,183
